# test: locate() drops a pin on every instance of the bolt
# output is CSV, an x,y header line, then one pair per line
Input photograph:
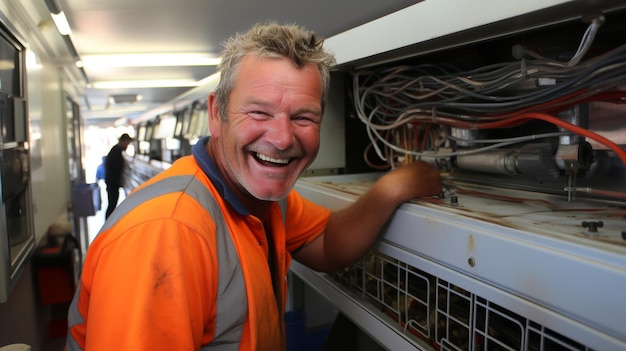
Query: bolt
x,y
454,201
592,226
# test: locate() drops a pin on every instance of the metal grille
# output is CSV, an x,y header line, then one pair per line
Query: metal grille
x,y
445,316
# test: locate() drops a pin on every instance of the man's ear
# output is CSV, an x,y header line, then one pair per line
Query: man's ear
x,y
214,116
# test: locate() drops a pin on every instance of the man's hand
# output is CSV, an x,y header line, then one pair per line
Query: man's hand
x,y
416,180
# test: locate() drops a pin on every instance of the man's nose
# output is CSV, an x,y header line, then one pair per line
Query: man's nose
x,y
280,131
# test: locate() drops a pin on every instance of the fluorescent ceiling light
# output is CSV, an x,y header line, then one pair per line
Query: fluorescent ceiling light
x,y
124,98
165,83
101,111
150,60
60,21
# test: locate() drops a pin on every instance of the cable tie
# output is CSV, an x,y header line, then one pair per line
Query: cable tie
x,y
434,115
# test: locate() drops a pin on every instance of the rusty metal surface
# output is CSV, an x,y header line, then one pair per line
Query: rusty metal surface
x,y
532,245
529,211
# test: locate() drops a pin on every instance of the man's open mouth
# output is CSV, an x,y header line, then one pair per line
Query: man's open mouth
x,y
269,161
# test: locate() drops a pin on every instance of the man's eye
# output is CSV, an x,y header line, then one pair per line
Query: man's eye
x,y
302,120
258,113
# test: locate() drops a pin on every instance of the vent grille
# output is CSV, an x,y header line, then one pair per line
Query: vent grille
x,y
443,315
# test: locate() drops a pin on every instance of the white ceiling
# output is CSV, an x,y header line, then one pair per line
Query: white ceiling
x,y
187,26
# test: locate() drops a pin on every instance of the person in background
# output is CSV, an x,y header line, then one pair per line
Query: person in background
x,y
114,171
197,257
100,170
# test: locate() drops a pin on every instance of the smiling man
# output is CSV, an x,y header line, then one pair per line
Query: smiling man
x,y
197,257
271,131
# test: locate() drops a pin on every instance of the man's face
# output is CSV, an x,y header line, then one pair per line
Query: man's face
x,y
124,144
272,131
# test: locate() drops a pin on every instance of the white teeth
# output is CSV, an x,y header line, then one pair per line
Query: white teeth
x,y
266,158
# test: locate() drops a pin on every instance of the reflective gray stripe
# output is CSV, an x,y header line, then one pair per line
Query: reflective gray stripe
x,y
73,318
232,303
282,203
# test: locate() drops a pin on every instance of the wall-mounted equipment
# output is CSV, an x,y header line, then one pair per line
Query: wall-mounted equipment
x,y
16,229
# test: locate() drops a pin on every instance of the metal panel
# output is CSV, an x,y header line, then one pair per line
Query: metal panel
x,y
524,251
432,23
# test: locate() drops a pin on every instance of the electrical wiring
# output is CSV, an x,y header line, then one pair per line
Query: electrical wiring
x,y
573,128
607,74
548,204
372,164
585,43
494,96
495,145
503,123
601,192
514,139
416,87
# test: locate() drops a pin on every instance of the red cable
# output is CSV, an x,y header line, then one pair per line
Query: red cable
x,y
565,125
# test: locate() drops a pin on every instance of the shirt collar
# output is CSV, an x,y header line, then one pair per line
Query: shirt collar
x,y
209,168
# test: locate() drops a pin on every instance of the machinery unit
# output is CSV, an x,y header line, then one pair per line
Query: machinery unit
x,y
520,106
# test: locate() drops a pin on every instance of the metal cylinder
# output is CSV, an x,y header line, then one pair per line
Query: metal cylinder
x,y
577,115
495,161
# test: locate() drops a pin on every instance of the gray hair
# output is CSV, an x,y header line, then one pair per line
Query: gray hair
x,y
272,40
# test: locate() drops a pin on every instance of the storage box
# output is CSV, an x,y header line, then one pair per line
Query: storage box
x,y
86,199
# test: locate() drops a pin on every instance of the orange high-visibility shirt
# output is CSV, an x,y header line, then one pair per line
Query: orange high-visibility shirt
x,y
149,281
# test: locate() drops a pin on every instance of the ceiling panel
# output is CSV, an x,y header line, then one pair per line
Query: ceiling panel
x,y
187,26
